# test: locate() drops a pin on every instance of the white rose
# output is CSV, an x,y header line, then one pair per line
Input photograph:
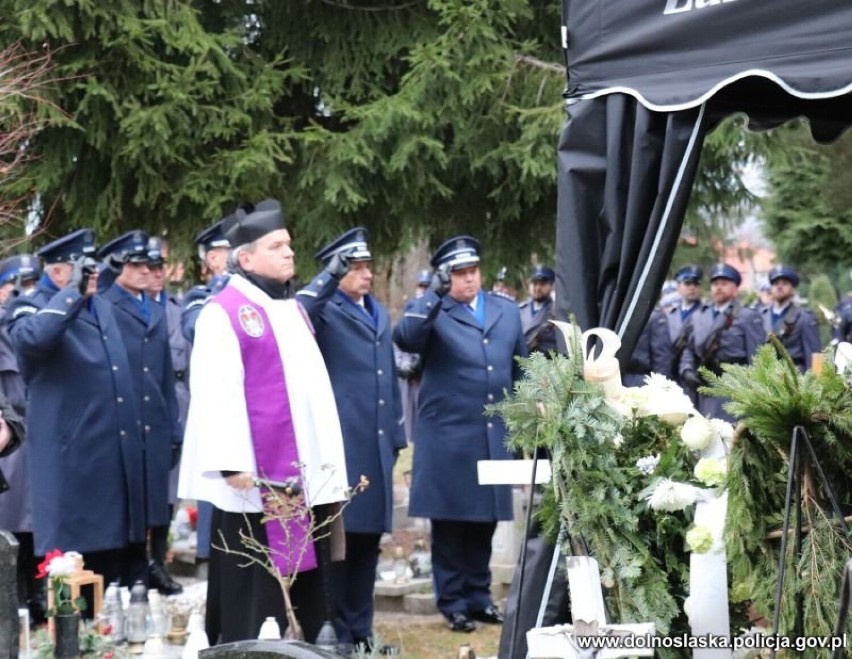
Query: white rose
x,y
697,433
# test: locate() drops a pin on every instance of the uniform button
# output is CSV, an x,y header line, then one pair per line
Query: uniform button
x,y
381,432
119,400
490,367
145,369
490,425
104,337
490,396
114,368
147,428
122,433
428,304
145,340
69,300
381,401
485,341
380,372
320,282
146,398
378,343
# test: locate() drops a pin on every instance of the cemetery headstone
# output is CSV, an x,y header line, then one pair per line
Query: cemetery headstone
x,y
9,623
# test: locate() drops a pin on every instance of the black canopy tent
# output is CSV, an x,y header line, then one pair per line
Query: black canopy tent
x,y
646,80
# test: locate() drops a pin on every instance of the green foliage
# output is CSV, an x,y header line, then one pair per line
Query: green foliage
x,y
772,398
805,213
415,119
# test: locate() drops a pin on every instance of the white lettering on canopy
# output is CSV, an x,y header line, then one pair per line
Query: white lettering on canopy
x,y
680,6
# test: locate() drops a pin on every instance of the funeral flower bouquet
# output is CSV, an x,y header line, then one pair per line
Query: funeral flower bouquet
x,y
59,565
628,468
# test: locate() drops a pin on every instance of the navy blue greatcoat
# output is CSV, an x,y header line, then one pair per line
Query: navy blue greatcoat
x,y
15,504
84,444
465,367
740,333
797,330
153,379
358,353
653,352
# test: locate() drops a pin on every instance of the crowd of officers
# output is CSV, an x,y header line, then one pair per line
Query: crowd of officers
x,y
96,355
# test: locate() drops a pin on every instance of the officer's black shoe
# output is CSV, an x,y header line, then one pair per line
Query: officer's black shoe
x,y
490,615
161,580
460,622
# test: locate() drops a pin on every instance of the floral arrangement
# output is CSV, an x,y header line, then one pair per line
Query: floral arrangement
x,y
628,468
58,565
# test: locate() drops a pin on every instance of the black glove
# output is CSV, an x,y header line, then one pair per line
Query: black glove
x,y
692,378
175,457
338,266
440,281
84,268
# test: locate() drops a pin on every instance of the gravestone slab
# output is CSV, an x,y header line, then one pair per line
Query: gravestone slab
x,y
9,625
267,650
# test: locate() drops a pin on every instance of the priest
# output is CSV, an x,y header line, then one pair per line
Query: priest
x,y
262,411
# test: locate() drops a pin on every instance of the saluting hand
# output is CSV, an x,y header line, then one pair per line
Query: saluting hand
x,y
441,281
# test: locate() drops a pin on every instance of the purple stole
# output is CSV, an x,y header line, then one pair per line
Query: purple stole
x,y
271,422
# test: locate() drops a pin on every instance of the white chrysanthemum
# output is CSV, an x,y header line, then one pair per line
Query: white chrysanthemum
x,y
617,440
711,471
634,398
661,382
699,539
666,400
670,496
648,464
62,566
697,433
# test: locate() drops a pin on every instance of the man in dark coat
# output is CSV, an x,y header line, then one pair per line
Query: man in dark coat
x,y
538,310
179,348
679,318
354,335
795,326
84,444
213,248
468,341
723,332
653,352
142,324
15,508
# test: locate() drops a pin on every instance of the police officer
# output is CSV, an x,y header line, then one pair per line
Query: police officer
x,y
213,249
723,332
142,324
538,310
679,317
499,286
19,272
468,341
84,443
796,327
408,365
179,348
653,352
354,335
